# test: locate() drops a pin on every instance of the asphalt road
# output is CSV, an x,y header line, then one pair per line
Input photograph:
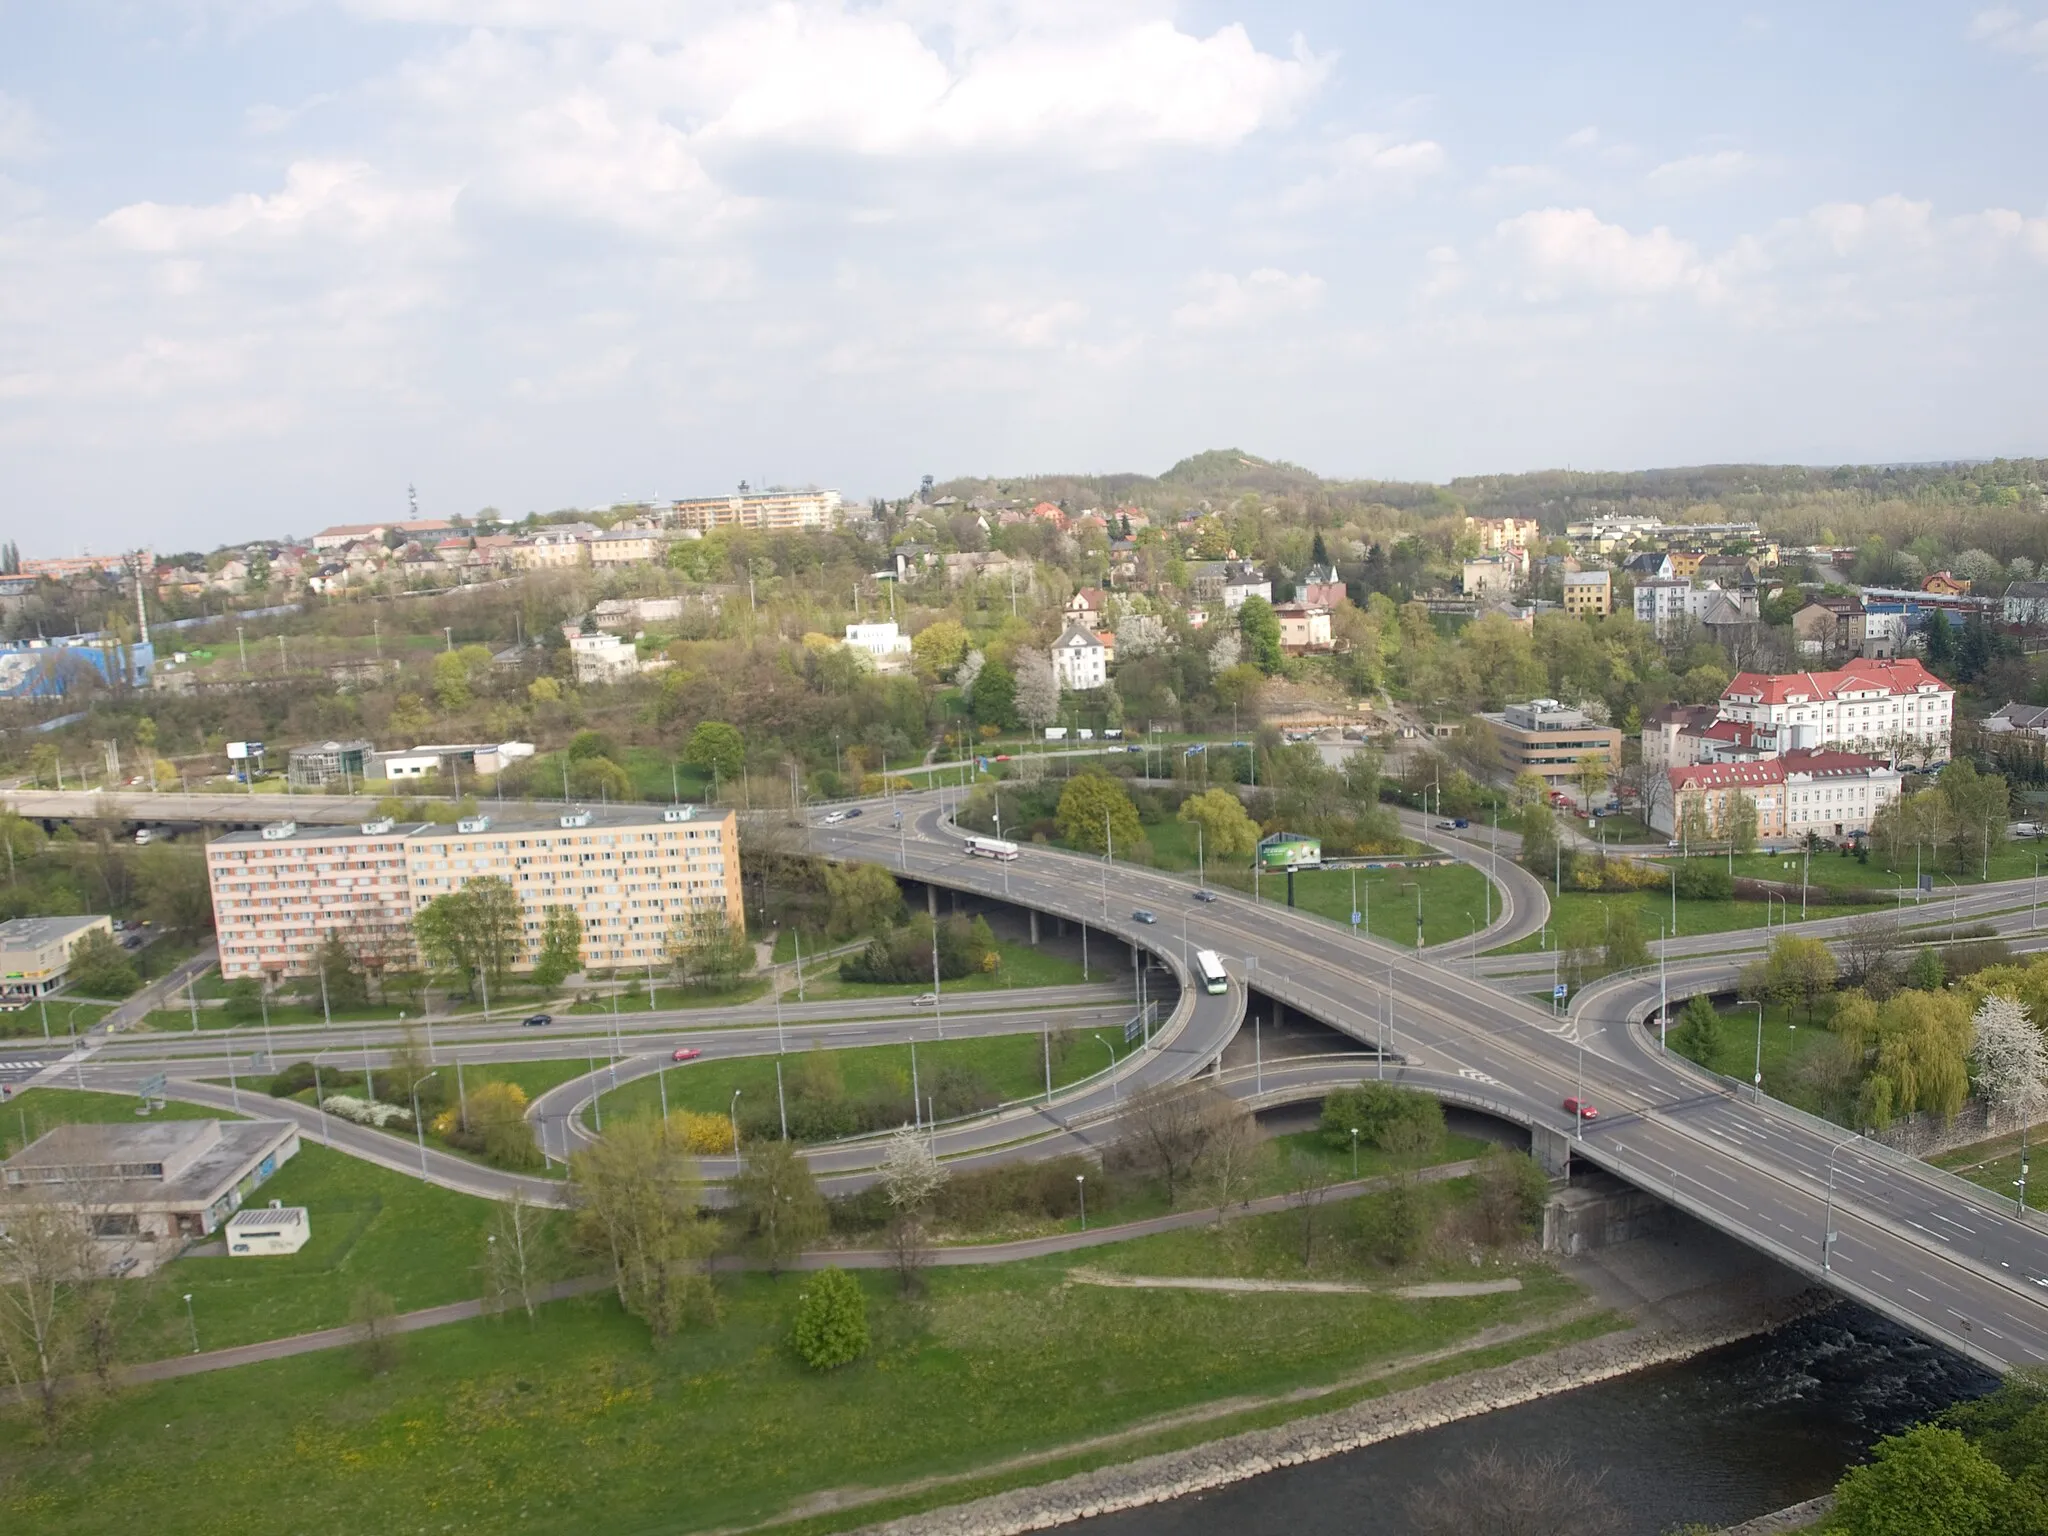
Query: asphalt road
x,y
1743,1166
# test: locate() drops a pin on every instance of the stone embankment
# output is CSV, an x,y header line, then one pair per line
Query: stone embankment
x,y
1781,1522
1154,1479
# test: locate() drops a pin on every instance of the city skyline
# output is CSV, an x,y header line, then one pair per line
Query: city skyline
x,y
267,269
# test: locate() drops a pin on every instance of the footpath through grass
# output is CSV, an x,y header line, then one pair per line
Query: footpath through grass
x,y
579,1424
1022,966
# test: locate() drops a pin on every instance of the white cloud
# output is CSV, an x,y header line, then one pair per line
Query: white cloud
x,y
1694,174
1362,166
1570,249
345,201
21,130
1223,300
1033,327
823,77
1890,222
2011,32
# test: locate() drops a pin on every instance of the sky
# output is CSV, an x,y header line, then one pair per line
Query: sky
x,y
265,264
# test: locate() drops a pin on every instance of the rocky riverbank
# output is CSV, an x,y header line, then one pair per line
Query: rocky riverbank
x,y
1784,1521
1171,1475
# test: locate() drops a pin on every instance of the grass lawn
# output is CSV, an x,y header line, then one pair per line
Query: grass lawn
x,y
1454,898
420,1244
1022,966
1653,910
1013,1065
669,996
1788,1039
1995,1164
578,1424
63,1015
2008,861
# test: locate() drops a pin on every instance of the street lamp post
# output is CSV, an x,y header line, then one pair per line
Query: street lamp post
x,y
732,1111
192,1321
419,1130
1081,1189
1386,1024
1354,1152
1827,1229
1758,1084
1115,1096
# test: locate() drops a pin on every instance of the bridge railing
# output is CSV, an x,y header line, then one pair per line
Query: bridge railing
x,y
1976,1195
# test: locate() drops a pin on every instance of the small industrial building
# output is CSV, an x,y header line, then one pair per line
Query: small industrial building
x,y
35,954
1547,738
153,1185
330,762
269,1230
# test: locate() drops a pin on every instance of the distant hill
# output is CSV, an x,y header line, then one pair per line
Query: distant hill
x,y
1219,477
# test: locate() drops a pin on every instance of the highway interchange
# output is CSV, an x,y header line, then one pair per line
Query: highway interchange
x,y
1939,1256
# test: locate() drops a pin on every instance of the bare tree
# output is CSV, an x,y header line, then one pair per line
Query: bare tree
x,y
1308,1184
45,1262
1231,1162
1870,951
1495,1494
374,1321
1169,1127
516,1263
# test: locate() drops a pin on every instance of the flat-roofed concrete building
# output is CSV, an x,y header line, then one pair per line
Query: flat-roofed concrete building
x,y
770,511
1547,738
35,953
636,875
159,1182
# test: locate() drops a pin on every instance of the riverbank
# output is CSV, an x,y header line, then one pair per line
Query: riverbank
x,y
1235,1458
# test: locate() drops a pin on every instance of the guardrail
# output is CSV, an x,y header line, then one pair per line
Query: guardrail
x,y
1975,1195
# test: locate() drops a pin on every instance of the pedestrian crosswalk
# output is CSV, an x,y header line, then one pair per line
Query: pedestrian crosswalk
x,y
22,1066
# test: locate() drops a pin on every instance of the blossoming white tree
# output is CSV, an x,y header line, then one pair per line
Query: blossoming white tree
x,y
2009,1058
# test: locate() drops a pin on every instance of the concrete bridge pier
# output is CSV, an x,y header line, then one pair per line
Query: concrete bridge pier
x,y
1034,927
1552,1150
931,902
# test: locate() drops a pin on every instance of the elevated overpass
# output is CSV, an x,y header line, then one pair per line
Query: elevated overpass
x,y
1910,1242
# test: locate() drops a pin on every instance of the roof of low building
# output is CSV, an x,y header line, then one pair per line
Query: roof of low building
x,y
34,932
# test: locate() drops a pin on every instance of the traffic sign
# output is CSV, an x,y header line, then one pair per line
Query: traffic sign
x,y
1560,991
1357,918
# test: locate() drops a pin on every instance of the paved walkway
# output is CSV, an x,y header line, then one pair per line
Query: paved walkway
x,y
1436,1290
981,1253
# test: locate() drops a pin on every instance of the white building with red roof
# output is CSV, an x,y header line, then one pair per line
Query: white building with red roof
x,y
1831,794
1887,707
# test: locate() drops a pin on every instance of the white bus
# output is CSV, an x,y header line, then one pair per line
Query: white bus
x,y
1209,966
991,848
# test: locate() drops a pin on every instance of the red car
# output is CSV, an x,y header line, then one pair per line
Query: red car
x,y
1002,757
1581,1108
687,1053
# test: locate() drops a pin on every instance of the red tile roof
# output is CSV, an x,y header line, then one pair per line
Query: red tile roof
x,y
1726,775
1905,675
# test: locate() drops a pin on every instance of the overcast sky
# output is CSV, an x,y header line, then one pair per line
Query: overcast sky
x,y
265,262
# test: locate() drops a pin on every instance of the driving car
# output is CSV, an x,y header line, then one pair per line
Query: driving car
x,y
538,1020
834,819
687,1053
1144,916
1205,895
853,812
924,1000
1582,1108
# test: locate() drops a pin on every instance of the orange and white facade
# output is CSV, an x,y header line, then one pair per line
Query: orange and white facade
x,y
1885,707
1831,794
637,876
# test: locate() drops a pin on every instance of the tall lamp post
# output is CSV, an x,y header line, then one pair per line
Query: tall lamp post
x,y
419,1130
1827,1230
1758,1084
732,1111
192,1321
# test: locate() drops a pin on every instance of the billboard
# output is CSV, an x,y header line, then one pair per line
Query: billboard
x,y
1283,850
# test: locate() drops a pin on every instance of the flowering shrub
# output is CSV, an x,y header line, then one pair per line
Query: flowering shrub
x,y
345,1106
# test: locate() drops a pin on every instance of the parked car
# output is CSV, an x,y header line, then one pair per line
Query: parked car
x,y
1205,894
539,1021
1143,915
925,1000
687,1053
1457,825
1582,1108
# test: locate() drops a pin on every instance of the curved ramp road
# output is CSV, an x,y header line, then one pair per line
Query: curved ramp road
x,y
1968,1275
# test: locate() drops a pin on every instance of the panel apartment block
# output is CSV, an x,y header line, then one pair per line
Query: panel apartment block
x,y
634,874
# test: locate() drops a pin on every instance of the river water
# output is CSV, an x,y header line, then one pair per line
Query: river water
x,y
1718,1439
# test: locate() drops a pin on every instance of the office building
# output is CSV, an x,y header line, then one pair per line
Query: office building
x,y
1547,738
